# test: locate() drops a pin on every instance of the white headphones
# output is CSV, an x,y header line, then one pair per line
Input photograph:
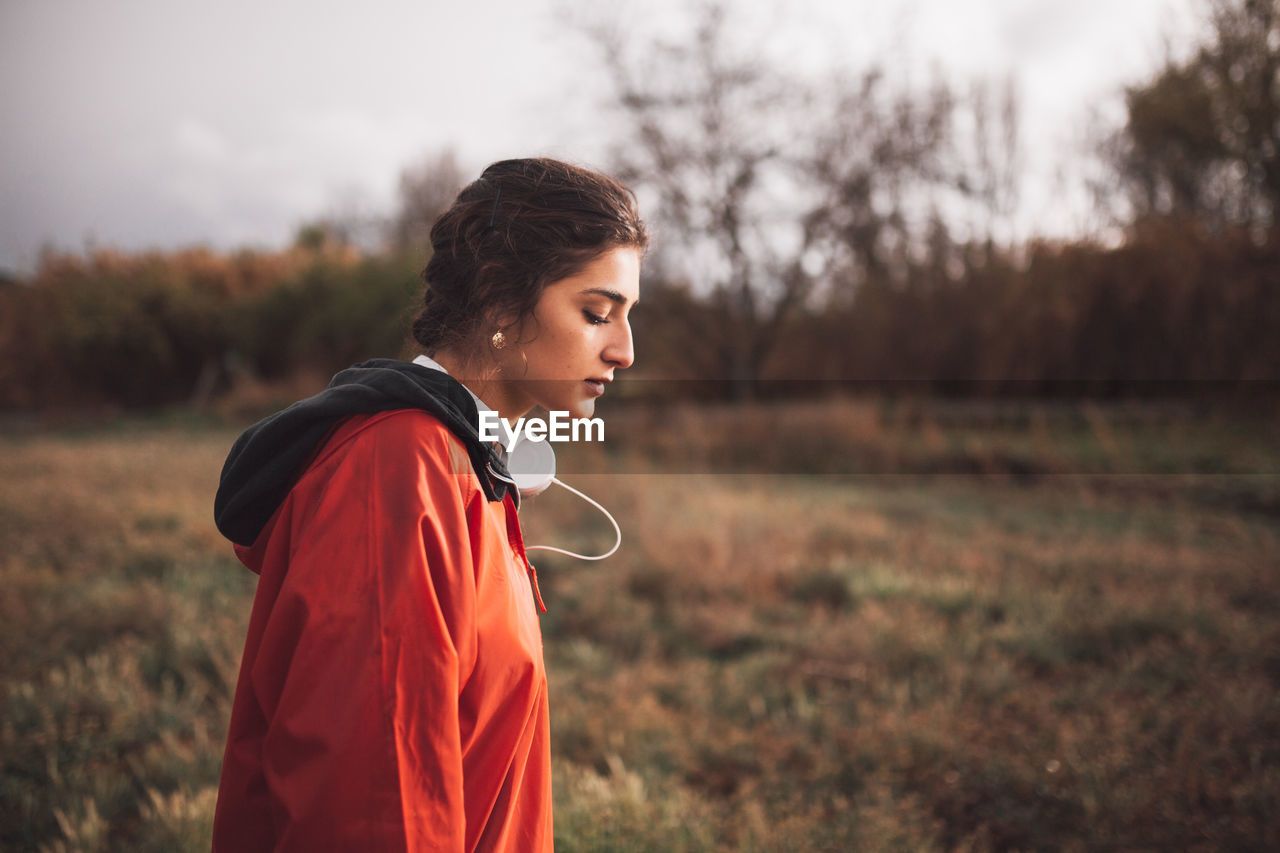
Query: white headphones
x,y
533,466
533,469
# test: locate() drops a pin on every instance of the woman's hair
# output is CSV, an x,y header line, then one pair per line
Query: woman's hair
x,y
522,225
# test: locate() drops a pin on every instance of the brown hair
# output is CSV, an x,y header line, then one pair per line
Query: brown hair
x,y
522,225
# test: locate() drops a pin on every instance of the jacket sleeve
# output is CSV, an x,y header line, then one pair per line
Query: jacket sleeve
x,y
368,646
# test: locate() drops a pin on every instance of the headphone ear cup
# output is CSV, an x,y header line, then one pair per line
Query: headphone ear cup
x,y
532,465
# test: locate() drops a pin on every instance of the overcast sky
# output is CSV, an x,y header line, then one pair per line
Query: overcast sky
x,y
160,123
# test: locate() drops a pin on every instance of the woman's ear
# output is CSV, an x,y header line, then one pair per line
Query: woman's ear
x,y
517,329
505,323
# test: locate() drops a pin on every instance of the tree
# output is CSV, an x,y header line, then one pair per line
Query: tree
x,y
773,192
426,190
1202,138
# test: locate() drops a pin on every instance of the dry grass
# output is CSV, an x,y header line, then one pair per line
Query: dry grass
x,y
800,662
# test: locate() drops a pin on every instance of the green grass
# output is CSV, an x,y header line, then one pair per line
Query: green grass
x,y
909,661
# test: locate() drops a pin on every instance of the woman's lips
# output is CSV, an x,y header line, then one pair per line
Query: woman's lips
x,y
595,385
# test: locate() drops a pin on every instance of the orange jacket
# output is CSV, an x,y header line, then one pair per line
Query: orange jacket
x,y
392,694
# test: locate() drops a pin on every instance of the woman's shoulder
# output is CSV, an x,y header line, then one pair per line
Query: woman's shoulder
x,y
396,437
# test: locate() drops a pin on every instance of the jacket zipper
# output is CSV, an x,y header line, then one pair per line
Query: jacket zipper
x,y
513,535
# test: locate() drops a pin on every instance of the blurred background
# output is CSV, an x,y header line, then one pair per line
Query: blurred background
x,y
949,467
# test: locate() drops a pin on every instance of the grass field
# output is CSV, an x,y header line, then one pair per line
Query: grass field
x,y
935,648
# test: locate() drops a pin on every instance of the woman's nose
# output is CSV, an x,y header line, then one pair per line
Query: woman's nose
x,y
621,349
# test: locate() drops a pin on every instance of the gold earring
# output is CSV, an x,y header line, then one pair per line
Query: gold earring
x,y
498,340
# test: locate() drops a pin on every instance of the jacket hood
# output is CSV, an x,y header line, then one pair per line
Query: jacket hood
x,y
269,456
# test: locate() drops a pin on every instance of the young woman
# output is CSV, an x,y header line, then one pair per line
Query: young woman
x,y
392,694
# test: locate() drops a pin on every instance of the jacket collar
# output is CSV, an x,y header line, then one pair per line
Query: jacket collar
x,y
269,456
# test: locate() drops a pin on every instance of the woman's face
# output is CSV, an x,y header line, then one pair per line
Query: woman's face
x,y
563,357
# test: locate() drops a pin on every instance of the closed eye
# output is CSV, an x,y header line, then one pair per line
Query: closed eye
x,y
594,319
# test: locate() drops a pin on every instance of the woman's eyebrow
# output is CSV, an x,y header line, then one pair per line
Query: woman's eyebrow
x,y
612,295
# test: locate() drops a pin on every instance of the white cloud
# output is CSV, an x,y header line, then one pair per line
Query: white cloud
x,y
145,122
198,142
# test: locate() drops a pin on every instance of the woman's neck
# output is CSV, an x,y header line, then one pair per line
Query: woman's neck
x,y
503,397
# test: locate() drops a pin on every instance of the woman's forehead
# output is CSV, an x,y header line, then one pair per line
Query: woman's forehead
x,y
614,275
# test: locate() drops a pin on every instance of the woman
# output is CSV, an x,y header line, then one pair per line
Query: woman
x,y
392,694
